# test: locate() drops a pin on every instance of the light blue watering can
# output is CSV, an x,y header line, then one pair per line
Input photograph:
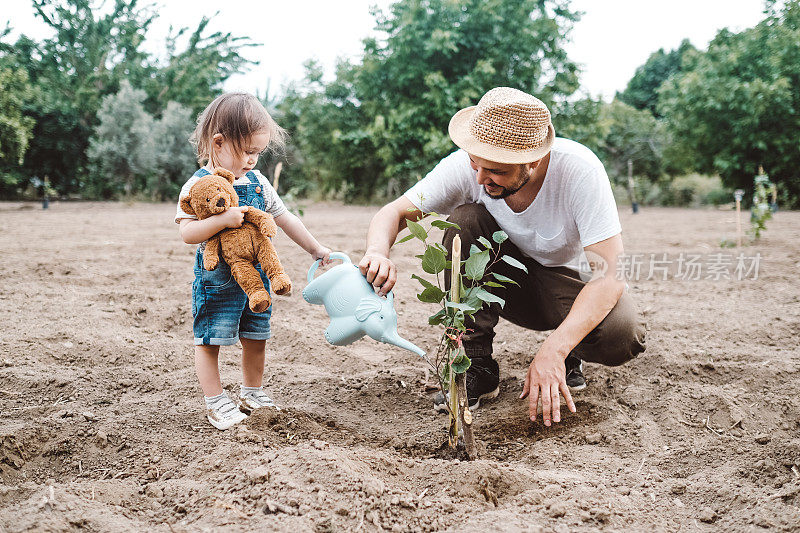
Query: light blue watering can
x,y
354,307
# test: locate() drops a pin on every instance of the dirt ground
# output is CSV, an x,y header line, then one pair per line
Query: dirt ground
x,y
102,424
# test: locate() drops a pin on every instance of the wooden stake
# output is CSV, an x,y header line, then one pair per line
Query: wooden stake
x,y
632,189
466,416
277,177
459,403
738,223
455,297
738,194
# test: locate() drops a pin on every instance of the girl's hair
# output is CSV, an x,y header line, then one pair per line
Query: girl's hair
x,y
236,116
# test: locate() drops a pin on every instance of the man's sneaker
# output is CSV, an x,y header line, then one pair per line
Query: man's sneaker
x,y
251,400
483,383
574,369
224,413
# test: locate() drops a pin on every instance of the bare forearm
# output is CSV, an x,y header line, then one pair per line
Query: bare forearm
x,y
379,270
197,231
297,231
592,305
383,230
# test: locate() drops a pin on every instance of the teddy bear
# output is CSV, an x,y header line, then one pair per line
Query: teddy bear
x,y
241,247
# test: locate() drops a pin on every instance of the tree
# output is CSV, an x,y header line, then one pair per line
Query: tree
x,y
736,106
387,116
194,76
642,90
633,135
120,148
85,60
90,53
172,156
582,120
332,149
15,129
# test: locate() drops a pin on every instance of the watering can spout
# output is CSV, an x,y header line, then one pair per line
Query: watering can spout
x,y
399,341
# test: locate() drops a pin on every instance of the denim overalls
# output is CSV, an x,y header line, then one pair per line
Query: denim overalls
x,y
219,305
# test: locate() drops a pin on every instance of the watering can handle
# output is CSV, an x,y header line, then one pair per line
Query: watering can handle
x,y
334,255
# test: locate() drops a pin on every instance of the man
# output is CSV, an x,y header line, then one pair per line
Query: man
x,y
553,199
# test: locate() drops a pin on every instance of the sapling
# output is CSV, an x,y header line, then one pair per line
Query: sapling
x,y
760,212
468,293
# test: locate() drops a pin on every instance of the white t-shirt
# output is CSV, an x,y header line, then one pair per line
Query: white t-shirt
x,y
272,202
575,207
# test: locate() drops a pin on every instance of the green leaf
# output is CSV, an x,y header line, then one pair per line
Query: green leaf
x,y
431,295
492,284
473,249
445,375
499,236
460,363
425,283
467,292
458,320
417,230
504,279
438,318
485,242
513,262
475,266
444,224
433,261
460,306
475,303
488,297
405,239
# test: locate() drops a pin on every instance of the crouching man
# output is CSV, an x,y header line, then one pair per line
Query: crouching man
x,y
553,199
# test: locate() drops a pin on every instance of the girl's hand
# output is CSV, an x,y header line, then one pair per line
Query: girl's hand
x,y
233,217
323,254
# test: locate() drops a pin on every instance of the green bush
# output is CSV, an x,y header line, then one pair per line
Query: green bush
x,y
691,190
647,192
719,197
694,190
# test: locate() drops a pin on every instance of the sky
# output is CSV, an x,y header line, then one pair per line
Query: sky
x,y
610,41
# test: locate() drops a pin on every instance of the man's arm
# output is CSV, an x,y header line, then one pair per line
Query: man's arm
x,y
383,230
546,374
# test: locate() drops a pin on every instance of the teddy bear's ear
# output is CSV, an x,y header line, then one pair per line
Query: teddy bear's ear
x,y
186,205
225,173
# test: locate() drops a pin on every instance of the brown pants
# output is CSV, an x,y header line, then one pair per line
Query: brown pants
x,y
542,300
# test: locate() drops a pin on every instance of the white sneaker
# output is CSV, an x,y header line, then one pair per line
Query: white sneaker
x,y
224,413
251,400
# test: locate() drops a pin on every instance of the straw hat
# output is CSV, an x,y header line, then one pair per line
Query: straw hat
x,y
507,126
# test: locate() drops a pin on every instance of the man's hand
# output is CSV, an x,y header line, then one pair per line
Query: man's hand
x,y
233,217
380,272
546,377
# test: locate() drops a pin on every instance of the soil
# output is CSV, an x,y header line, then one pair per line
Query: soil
x,y
102,424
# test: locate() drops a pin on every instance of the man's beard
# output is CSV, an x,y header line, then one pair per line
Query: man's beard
x,y
508,191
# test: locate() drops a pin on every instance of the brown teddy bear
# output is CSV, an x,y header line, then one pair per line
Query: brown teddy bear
x,y
241,247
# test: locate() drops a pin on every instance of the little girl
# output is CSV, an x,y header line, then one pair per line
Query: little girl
x,y
231,133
